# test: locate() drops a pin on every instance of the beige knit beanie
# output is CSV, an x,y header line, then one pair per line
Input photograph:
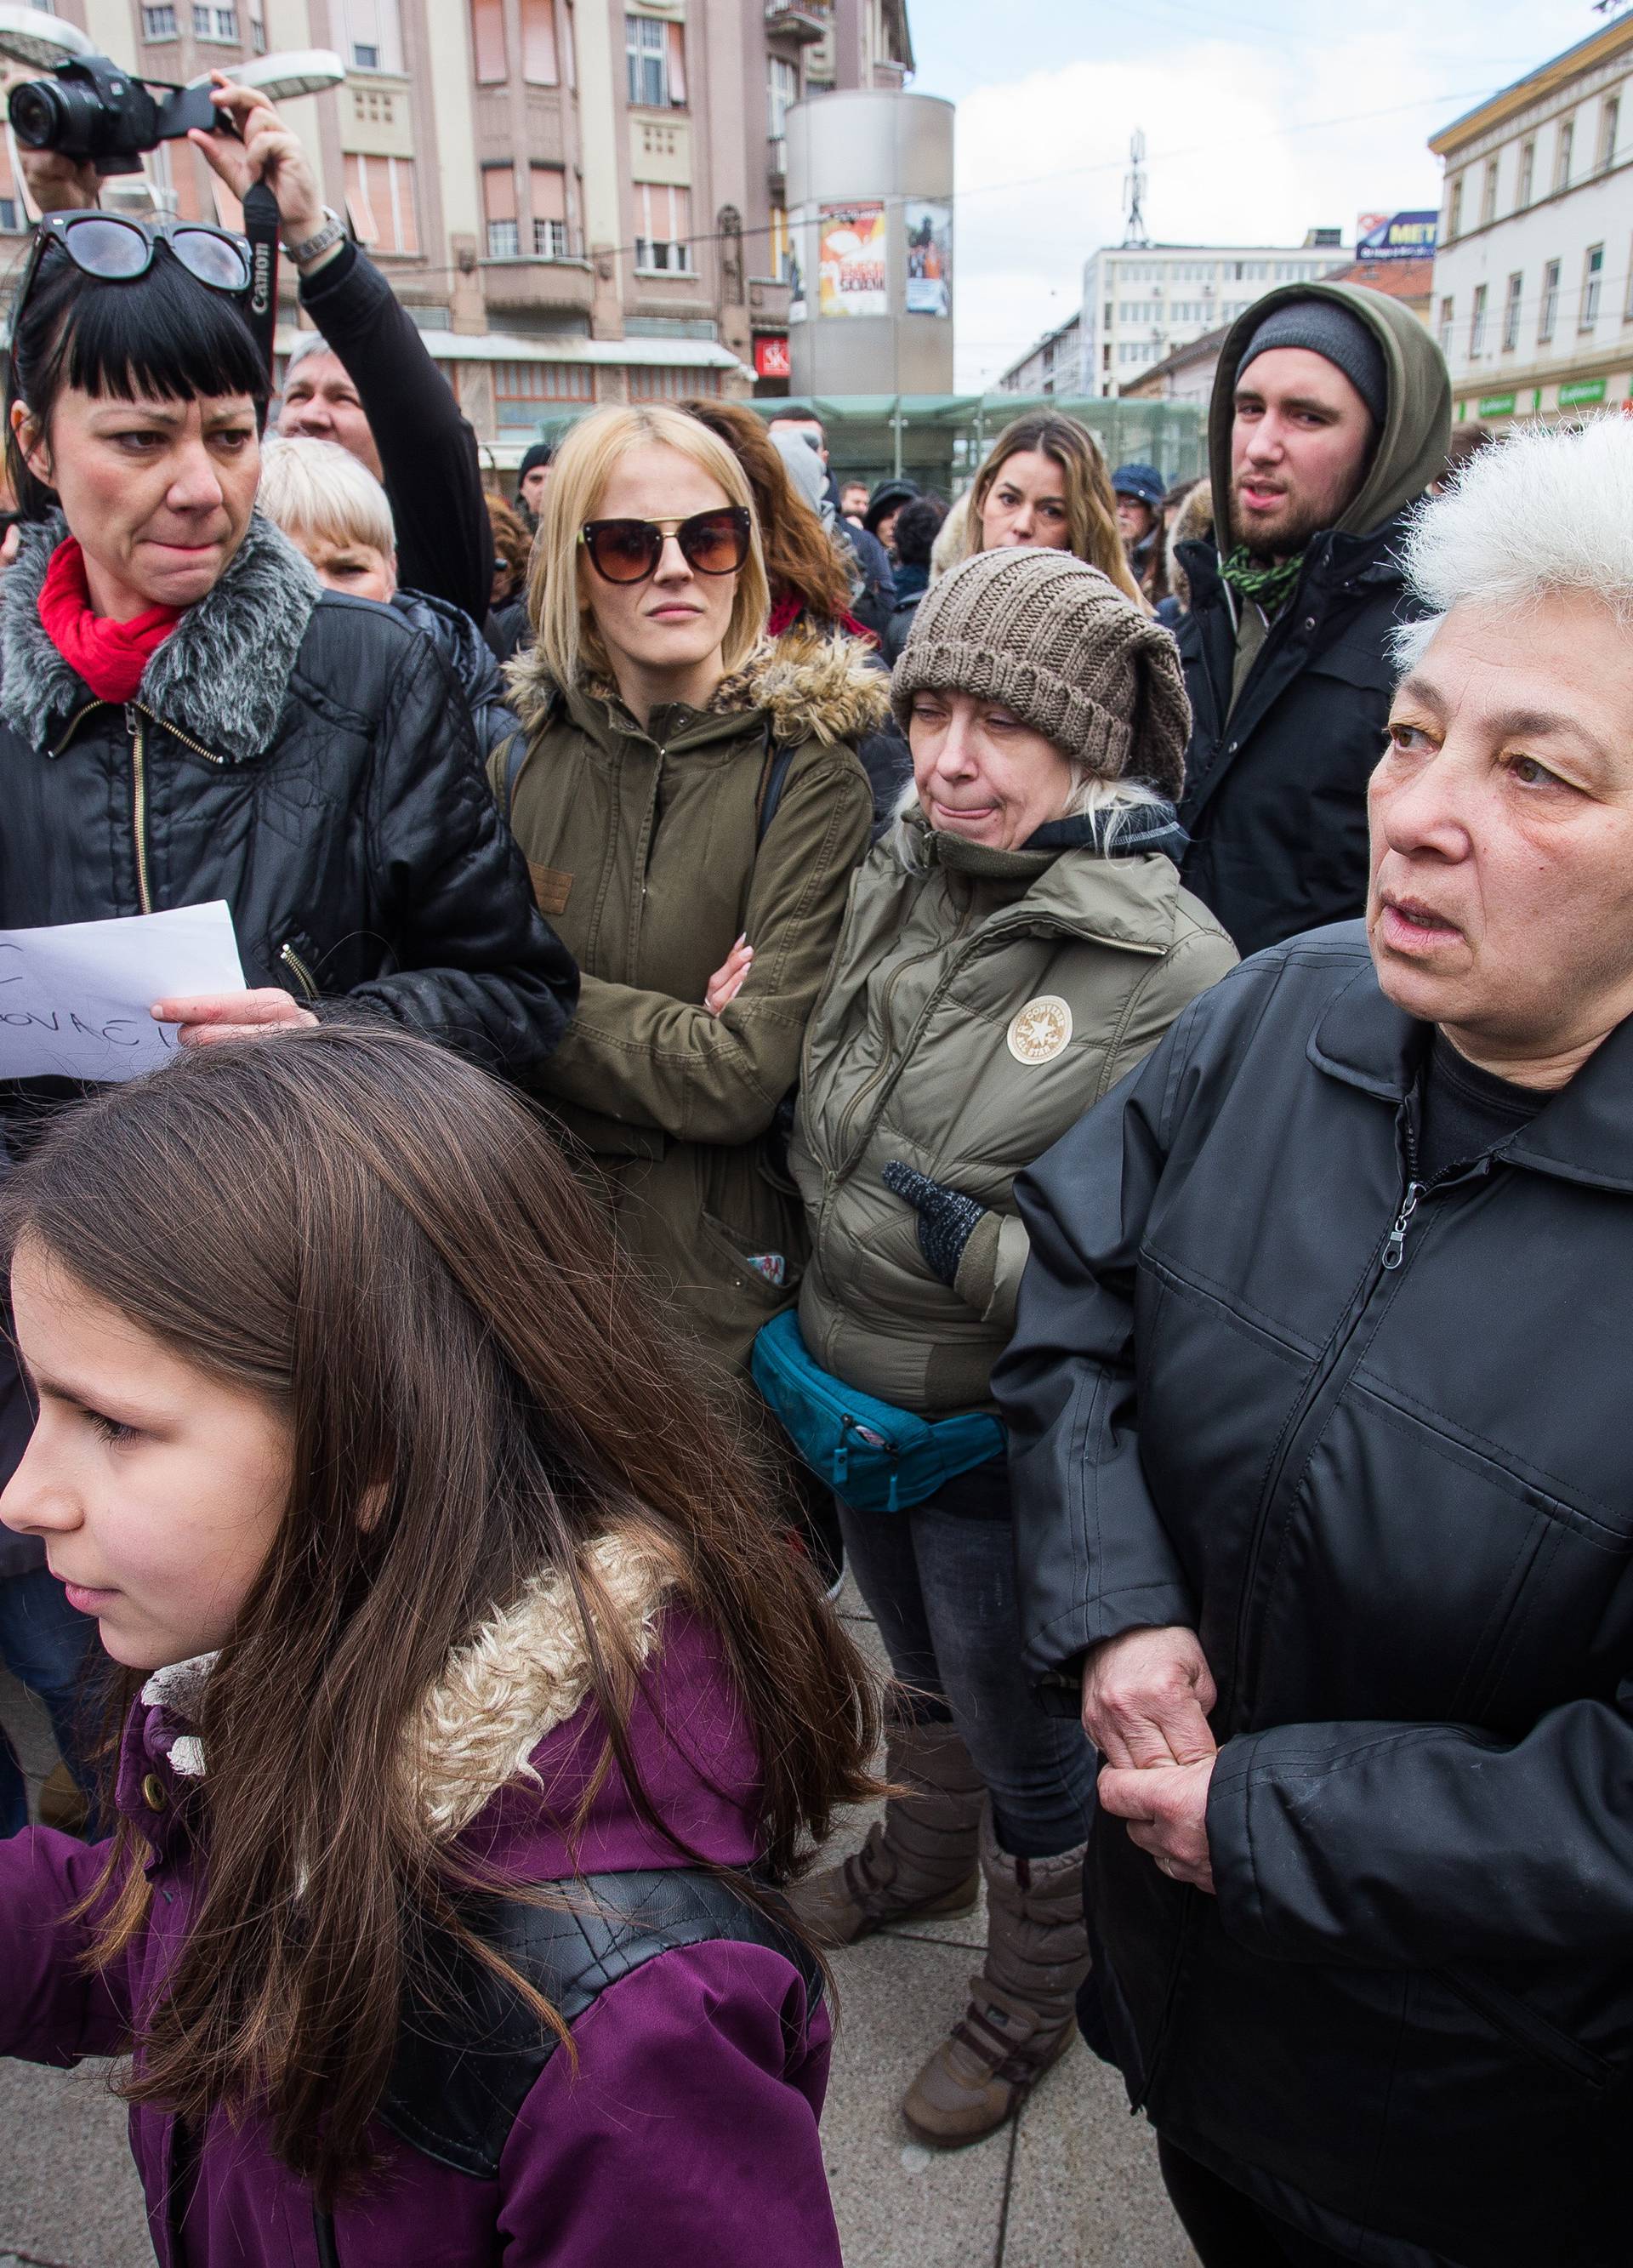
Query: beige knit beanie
x,y
1055,640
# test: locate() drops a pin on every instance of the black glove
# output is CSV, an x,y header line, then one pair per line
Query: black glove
x,y
946,1219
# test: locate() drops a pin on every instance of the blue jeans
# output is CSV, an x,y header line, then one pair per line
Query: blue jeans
x,y
46,1646
941,1587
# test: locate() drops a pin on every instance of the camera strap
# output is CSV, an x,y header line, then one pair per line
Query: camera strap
x,y
262,225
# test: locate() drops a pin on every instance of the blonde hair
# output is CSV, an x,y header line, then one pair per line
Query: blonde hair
x,y
316,487
1091,508
569,644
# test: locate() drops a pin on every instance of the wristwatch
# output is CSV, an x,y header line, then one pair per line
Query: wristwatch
x,y
324,240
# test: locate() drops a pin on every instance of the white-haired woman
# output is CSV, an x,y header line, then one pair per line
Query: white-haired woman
x,y
1012,949
1324,1483
334,510
692,807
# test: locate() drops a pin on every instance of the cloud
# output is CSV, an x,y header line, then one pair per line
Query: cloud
x,y
1246,144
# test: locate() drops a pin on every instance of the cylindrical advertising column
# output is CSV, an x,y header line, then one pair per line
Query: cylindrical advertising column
x,y
870,181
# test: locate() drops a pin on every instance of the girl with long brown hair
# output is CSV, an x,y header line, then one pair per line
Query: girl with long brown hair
x,y
1045,484
810,588
477,1708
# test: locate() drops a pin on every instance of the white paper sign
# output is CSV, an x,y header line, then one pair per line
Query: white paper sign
x,y
74,999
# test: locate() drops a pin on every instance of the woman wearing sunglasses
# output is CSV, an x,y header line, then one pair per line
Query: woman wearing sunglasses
x,y
691,806
186,715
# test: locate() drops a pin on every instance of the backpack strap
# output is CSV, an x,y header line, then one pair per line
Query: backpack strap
x,y
465,2065
514,751
779,756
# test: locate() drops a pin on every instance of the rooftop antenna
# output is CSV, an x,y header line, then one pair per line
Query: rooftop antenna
x,y
1134,190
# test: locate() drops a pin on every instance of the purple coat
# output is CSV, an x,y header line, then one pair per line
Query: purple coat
x,y
688,2131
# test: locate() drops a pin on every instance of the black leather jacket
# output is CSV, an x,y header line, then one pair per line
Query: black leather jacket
x,y
308,758
1275,799
1377,1456
471,658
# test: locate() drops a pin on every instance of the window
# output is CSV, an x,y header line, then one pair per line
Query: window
x,y
219,25
1550,303
12,217
663,222
538,66
653,382
1477,322
1511,313
1488,195
158,23
1627,309
783,88
1562,154
1609,117
498,204
656,54
370,34
1593,282
1527,173
782,246
548,188
488,41
522,390
1447,311
1455,210
379,198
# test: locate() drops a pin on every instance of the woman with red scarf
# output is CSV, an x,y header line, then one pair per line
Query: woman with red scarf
x,y
186,715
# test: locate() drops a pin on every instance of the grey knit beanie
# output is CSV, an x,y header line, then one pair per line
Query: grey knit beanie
x,y
1055,641
1329,329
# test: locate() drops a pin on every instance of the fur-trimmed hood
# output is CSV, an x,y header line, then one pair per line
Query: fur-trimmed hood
x,y
524,1672
810,687
222,674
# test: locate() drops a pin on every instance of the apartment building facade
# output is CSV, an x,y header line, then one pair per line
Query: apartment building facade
x,y
1533,291
1140,301
1054,365
580,201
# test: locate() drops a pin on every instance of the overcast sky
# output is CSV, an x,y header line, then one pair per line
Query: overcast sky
x,y
1297,112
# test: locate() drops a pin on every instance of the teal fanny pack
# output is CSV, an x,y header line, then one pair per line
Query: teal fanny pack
x,y
874,1457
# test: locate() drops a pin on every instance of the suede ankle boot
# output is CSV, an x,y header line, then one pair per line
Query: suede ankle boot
x,y
920,1859
1021,2013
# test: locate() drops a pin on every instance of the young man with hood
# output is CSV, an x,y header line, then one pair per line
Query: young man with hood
x,y
1330,415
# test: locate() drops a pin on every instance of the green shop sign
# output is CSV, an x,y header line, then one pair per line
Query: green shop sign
x,y
1584,391
1494,405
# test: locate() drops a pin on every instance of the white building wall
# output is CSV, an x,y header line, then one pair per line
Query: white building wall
x,y
1510,354
1141,302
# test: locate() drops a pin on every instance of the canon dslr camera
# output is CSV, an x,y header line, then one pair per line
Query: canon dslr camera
x,y
93,109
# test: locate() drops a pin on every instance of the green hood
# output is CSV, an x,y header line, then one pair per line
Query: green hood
x,y
1411,448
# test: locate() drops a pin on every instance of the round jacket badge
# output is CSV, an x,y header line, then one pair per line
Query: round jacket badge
x,y
1041,1029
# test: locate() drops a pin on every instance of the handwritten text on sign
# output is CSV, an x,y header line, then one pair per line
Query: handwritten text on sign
x,y
74,999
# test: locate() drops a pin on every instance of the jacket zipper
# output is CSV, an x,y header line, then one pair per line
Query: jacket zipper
x,y
881,1069
289,959
175,732
138,788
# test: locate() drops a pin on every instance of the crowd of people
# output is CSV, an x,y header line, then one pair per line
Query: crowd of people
x,y
1059,1051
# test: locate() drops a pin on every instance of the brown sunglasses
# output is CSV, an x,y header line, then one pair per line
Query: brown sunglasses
x,y
629,550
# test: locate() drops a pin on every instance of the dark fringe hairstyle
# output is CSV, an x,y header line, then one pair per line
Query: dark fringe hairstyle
x,y
164,334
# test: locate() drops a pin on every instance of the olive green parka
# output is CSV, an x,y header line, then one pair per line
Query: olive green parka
x,y
976,1008
646,847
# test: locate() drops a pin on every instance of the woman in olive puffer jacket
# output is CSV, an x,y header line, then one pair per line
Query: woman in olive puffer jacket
x,y
1018,943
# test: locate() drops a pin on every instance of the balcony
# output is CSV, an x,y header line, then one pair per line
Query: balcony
x,y
807,21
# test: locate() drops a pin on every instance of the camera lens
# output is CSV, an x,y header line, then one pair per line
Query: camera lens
x,y
37,113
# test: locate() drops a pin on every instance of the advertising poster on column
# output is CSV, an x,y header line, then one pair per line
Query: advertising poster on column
x,y
850,260
930,257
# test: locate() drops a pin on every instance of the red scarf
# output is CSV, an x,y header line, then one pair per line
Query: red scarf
x,y
790,609
109,656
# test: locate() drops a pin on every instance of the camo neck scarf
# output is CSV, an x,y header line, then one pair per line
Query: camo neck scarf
x,y
1268,583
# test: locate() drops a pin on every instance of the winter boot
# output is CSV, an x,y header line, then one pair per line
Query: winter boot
x,y
920,1859
1020,2016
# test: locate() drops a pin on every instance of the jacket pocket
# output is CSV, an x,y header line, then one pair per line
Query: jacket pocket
x,y
1524,2027
753,1273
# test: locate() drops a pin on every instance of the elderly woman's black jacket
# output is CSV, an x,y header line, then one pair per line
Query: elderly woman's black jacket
x,y
307,757
1396,1501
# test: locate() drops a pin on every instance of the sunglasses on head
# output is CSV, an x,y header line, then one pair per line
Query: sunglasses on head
x,y
629,550
115,250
